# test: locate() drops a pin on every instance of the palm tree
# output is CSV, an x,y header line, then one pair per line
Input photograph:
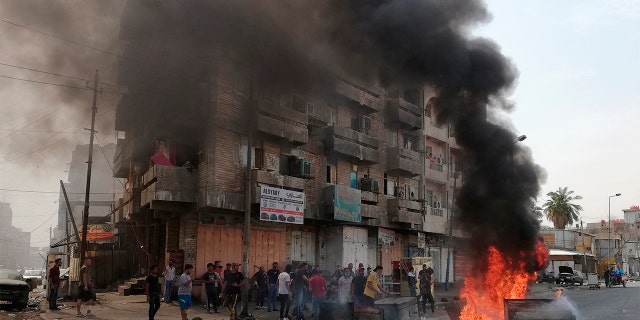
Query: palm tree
x,y
559,208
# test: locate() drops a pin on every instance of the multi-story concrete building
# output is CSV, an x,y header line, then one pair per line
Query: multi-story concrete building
x,y
16,251
351,174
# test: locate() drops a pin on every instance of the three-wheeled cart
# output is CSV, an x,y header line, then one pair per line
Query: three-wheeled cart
x,y
592,281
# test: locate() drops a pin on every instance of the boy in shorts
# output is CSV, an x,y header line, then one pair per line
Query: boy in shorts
x,y
184,291
85,294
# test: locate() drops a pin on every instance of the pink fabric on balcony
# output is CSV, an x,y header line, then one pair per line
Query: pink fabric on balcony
x,y
160,159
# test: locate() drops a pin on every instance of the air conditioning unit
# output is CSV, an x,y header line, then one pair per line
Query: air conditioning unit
x,y
365,124
369,184
300,167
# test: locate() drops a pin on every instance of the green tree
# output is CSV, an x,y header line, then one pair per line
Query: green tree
x,y
559,208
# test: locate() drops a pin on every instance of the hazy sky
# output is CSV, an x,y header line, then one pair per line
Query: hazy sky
x,y
575,100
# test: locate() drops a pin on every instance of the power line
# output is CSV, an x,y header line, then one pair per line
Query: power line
x,y
35,131
43,82
54,74
56,192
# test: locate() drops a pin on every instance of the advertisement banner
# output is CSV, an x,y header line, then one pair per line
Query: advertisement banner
x,y
386,237
99,232
280,205
346,204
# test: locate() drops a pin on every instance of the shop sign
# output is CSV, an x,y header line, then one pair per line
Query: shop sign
x,y
346,204
386,237
281,205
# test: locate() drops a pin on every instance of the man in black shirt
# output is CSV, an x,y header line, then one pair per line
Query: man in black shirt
x,y
358,283
233,284
152,290
300,286
211,281
272,275
260,279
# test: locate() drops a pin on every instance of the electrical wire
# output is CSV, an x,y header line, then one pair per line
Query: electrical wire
x,y
57,74
47,83
56,192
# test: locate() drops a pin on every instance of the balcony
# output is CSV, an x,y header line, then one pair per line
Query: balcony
x,y
404,211
273,179
369,211
283,123
122,159
167,184
368,196
352,144
360,95
406,115
343,203
435,172
435,223
437,131
404,162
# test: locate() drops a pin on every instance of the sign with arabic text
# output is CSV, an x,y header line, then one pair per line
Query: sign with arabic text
x,y
99,232
346,204
281,205
386,237
422,240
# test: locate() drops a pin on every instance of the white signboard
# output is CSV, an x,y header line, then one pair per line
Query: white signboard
x,y
386,237
280,205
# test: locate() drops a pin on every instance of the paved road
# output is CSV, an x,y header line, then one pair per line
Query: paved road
x,y
615,303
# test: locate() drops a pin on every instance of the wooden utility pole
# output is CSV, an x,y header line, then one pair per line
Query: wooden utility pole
x,y
85,213
246,233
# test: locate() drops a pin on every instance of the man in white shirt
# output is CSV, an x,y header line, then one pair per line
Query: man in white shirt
x,y
169,274
284,291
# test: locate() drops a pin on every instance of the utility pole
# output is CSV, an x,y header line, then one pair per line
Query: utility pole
x,y
85,213
450,214
246,232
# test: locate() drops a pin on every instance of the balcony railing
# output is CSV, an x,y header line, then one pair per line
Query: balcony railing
x,y
352,144
404,211
405,114
360,95
404,162
437,131
284,123
168,183
436,173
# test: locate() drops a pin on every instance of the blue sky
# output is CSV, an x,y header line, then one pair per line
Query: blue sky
x,y
577,94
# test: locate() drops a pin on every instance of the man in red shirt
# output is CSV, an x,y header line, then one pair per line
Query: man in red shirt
x,y
54,284
318,287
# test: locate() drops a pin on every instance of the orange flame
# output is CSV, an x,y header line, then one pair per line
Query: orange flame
x,y
505,279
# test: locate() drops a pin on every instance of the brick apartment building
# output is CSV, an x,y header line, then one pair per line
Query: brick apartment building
x,y
354,174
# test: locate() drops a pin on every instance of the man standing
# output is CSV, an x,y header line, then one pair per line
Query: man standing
x,y
169,274
85,287
227,273
411,281
425,288
54,284
211,281
358,284
152,290
374,287
318,287
300,283
184,290
272,276
260,279
344,286
233,285
284,291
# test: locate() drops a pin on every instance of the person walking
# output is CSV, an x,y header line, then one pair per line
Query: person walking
x,y
272,276
411,281
284,291
318,288
152,290
54,284
300,285
169,275
262,290
211,281
426,280
233,284
85,293
374,288
185,285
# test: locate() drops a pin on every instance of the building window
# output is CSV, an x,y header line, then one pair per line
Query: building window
x,y
391,138
408,143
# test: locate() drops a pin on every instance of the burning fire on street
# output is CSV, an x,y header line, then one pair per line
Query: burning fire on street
x,y
505,278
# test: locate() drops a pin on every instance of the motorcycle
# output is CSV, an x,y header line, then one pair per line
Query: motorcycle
x,y
617,277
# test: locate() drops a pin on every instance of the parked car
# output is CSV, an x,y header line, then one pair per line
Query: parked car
x,y
14,291
569,277
546,277
33,277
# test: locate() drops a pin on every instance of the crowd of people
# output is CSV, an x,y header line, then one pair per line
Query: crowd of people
x,y
289,286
